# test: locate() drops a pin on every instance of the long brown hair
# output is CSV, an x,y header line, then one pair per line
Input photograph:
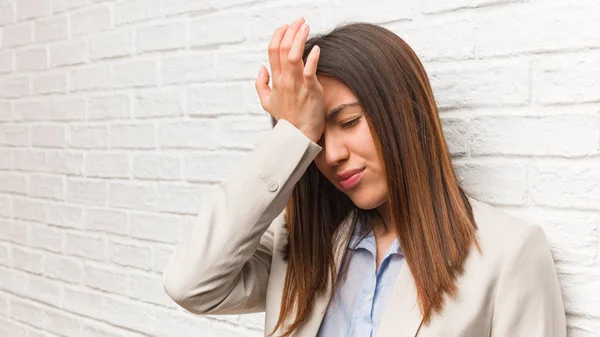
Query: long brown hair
x,y
430,212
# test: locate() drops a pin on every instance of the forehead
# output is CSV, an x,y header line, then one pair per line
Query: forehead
x,y
335,92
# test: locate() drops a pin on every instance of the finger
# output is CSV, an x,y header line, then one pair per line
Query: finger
x,y
286,43
262,86
295,55
274,62
310,69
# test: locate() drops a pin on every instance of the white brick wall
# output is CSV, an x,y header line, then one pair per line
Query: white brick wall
x,y
117,117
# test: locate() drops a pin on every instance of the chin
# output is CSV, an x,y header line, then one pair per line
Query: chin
x,y
366,200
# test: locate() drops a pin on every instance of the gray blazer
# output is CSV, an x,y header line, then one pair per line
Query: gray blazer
x,y
230,262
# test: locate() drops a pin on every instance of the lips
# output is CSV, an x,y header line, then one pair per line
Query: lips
x,y
347,174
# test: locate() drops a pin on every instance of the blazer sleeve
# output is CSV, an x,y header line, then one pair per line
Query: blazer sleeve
x,y
528,299
223,265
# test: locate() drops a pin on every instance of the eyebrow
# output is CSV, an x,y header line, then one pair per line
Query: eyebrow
x,y
337,109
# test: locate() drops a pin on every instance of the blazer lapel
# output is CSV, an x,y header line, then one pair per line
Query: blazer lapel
x,y
402,316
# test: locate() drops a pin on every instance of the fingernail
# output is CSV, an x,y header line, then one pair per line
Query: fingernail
x,y
259,69
304,26
300,19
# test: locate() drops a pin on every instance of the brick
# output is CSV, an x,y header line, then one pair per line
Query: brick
x,y
43,290
457,133
131,11
168,321
7,13
45,186
184,69
423,37
88,136
134,74
7,61
136,136
59,6
63,215
536,135
56,109
5,207
13,231
14,281
156,166
431,6
52,83
47,238
211,166
62,162
239,64
48,136
130,315
6,114
558,27
27,312
63,268
494,182
90,78
90,21
572,79
116,43
190,134
162,256
13,182
112,106
50,29
159,103
63,324
173,36
28,260
220,28
14,87
29,160
567,185
140,196
179,198
107,165
14,135
84,302
82,245
29,209
479,84
161,228
149,288
106,220
17,35
242,133
112,281
70,53
572,234
28,9
12,328
216,99
130,255
87,192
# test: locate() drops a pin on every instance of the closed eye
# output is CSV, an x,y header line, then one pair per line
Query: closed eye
x,y
350,123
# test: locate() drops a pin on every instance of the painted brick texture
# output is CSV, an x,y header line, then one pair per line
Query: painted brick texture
x,y
118,117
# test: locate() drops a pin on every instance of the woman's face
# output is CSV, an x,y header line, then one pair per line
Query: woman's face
x,y
348,145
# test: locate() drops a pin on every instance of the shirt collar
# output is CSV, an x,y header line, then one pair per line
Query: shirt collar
x,y
368,242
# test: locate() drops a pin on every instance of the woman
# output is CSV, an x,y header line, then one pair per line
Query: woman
x,y
347,218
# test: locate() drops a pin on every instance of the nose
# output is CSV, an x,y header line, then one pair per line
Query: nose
x,y
335,149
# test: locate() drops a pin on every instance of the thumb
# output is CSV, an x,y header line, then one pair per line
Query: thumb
x,y
262,86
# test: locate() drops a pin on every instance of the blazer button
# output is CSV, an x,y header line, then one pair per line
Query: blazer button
x,y
273,186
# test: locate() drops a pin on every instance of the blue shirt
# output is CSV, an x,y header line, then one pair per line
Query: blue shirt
x,y
360,302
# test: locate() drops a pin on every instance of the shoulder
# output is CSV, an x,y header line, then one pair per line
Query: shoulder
x,y
507,240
